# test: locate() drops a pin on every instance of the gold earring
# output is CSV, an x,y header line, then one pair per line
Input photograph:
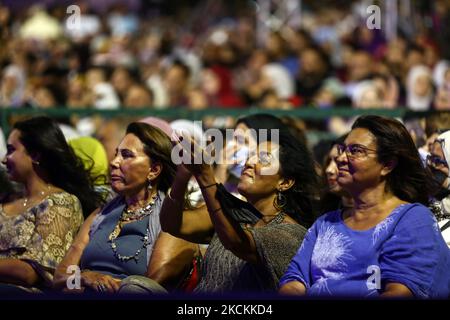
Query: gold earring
x,y
279,202
149,186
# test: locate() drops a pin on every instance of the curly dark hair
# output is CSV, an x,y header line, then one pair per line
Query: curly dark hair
x,y
158,148
296,162
43,139
410,181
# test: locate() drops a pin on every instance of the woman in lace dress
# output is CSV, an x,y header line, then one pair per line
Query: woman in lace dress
x,y
37,226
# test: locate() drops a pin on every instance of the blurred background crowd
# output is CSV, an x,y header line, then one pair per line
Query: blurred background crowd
x,y
203,54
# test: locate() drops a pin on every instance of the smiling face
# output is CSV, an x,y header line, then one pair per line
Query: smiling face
x,y
258,178
131,167
361,170
18,162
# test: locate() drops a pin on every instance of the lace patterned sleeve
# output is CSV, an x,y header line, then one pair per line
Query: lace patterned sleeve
x,y
57,221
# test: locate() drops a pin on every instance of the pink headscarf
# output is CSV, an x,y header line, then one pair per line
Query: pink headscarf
x,y
159,123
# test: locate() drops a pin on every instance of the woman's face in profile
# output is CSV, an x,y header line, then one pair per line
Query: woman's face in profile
x,y
18,162
331,172
130,167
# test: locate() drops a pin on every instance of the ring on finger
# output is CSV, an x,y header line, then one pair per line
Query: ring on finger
x,y
101,287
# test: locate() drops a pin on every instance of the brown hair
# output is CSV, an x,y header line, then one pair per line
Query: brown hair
x,y
409,180
158,148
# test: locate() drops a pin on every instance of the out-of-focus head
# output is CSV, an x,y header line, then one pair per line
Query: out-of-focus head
x,y
138,96
191,128
331,169
94,157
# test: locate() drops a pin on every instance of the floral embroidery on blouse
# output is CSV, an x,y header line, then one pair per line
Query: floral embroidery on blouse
x,y
42,234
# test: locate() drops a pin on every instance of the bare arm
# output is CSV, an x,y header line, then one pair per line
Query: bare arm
x,y
88,278
171,260
293,288
229,231
17,272
396,290
74,253
191,225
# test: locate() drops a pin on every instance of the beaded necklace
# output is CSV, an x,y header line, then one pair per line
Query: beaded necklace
x,y
127,216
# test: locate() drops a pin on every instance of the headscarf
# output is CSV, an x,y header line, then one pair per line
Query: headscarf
x,y
281,80
360,90
159,123
193,128
415,102
439,72
106,97
93,155
17,96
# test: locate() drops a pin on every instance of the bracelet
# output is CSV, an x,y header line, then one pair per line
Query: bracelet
x,y
208,186
216,210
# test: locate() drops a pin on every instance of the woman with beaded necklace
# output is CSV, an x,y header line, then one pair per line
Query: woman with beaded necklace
x,y
124,238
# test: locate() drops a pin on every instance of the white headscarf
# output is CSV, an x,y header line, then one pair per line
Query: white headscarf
x,y
415,102
439,72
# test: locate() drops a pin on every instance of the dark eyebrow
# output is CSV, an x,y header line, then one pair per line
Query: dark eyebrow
x,y
127,150
354,144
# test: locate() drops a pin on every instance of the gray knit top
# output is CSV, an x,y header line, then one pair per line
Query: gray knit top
x,y
276,244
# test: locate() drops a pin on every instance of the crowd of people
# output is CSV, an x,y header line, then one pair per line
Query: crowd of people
x,y
364,215
372,222
126,56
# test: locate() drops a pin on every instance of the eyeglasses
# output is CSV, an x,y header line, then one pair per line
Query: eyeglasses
x,y
354,150
264,158
436,161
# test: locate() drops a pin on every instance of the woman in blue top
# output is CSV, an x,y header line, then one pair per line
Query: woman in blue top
x,y
124,238
389,243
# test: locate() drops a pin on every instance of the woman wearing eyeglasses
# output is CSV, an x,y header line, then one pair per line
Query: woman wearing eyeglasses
x,y
388,244
439,166
250,243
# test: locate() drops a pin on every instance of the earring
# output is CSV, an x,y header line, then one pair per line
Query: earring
x,y
36,162
279,201
149,186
